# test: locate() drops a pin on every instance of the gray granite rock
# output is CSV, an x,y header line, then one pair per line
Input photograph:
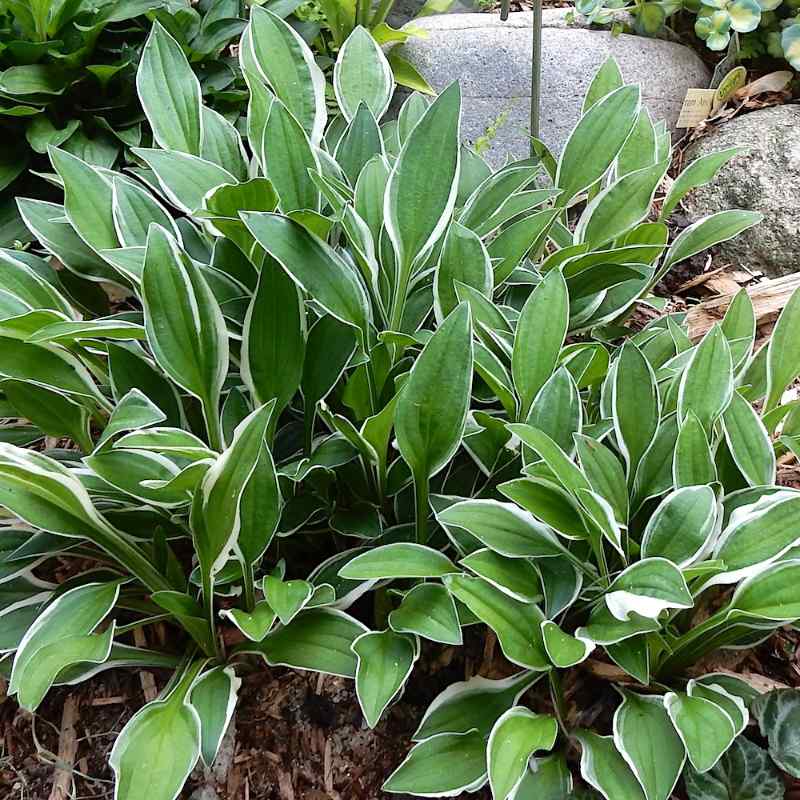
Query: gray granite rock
x,y
492,60
767,179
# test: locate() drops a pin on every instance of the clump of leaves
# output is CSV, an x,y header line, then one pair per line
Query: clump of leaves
x,y
67,78
343,367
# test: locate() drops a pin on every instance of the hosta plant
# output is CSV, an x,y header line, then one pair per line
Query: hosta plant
x,y
346,360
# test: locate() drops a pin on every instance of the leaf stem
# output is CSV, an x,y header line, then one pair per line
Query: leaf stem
x,y
399,299
213,426
421,492
208,605
248,580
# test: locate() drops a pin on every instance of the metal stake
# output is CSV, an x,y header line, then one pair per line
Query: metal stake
x,y
536,63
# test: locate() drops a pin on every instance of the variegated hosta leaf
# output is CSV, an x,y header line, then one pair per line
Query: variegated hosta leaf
x,y
421,773
646,739
216,508
165,736
362,75
61,636
385,661
515,737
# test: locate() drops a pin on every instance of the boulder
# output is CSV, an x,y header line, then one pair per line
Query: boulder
x,y
767,179
492,60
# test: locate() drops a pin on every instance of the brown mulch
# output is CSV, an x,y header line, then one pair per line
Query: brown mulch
x,y
300,736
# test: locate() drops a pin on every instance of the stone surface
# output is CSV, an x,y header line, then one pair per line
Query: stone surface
x,y
767,179
492,60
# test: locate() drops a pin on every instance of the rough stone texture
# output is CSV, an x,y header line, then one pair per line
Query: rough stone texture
x,y
766,180
492,60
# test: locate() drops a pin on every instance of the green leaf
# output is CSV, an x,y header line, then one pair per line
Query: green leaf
x,y
362,75
639,150
184,324
134,210
778,715
315,266
783,352
707,384
541,329
644,735
61,636
53,367
133,412
222,144
319,639
87,199
287,598
475,704
621,206
681,528
745,772
169,93
547,778
705,729
647,588
273,343
516,624
68,333
165,735
605,474
749,442
51,412
399,560
515,737
567,473
493,193
261,507
406,74
596,140
770,594
215,516
286,63
693,463
654,476
361,142
563,649
700,172
464,259
422,187
288,172
34,79
604,768
517,240
184,179
432,410
421,773
557,410
515,576
757,534
707,232
213,697
607,78
385,661
503,527
635,405
428,610
547,502
256,624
